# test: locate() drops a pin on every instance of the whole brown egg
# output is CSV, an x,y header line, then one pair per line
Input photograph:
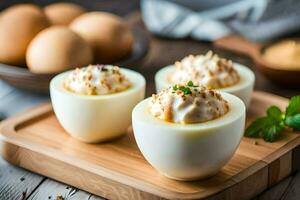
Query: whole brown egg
x,y
106,33
56,49
63,13
19,24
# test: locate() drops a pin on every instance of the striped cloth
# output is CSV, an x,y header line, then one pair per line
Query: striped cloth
x,y
209,20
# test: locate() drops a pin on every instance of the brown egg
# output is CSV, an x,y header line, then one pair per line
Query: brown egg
x,y
63,13
56,49
109,36
18,26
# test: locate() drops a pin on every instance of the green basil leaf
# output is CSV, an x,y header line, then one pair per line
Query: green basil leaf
x,y
293,107
272,132
256,127
275,113
293,121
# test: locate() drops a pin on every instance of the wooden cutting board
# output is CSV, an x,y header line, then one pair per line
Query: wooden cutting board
x,y
117,170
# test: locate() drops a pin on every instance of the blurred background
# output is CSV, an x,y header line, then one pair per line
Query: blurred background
x,y
103,5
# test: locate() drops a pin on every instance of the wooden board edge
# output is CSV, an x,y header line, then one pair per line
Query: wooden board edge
x,y
295,159
16,155
283,150
50,167
242,187
280,168
250,183
23,117
223,190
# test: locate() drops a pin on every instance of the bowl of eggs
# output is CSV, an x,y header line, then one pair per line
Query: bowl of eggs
x,y
38,43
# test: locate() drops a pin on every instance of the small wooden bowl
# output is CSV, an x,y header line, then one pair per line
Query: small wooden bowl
x,y
254,50
22,78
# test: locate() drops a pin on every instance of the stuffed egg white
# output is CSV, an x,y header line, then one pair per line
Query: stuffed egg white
x,y
189,132
94,104
211,71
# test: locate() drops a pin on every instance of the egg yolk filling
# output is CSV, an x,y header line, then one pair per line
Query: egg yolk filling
x,y
188,103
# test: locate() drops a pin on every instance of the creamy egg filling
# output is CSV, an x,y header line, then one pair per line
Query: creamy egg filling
x,y
188,103
96,80
209,70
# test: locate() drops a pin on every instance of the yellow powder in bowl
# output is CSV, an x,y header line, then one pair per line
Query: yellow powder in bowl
x,y
284,54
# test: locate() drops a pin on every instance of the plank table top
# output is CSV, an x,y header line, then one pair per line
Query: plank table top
x,y
17,183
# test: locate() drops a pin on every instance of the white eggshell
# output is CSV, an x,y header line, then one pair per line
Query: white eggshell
x,y
189,151
96,118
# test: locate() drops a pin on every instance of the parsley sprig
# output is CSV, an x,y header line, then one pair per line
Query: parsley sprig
x,y
271,126
185,89
190,84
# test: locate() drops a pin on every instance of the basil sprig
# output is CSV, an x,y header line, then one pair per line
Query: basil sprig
x,y
271,126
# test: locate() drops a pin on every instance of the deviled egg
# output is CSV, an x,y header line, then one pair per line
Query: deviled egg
x,y
94,103
188,132
211,71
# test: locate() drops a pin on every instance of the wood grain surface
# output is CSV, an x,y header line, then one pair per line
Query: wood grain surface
x,y
36,141
17,183
52,190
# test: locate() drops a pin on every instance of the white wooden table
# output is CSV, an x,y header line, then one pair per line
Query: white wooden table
x,y
17,183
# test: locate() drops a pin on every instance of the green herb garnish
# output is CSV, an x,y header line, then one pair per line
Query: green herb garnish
x,y
175,87
185,89
190,83
270,127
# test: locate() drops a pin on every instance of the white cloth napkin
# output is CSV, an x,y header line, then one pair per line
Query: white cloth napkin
x,y
210,20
